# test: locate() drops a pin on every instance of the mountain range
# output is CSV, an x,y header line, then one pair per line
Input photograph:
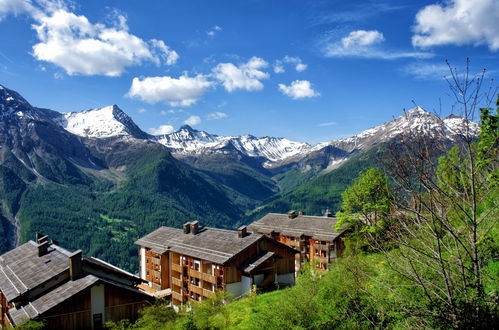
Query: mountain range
x,y
96,181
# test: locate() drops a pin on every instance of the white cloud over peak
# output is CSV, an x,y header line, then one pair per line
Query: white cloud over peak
x,y
178,92
363,43
161,130
216,115
73,43
458,22
296,61
299,89
193,121
245,76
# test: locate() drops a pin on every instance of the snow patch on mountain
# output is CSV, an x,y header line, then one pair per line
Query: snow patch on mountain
x,y
105,122
188,141
13,105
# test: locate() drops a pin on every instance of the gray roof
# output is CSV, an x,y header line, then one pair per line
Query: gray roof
x,y
256,262
212,244
51,299
321,228
22,270
58,295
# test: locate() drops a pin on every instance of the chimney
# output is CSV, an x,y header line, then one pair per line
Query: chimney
x,y
43,248
75,267
328,213
292,214
40,238
194,227
187,227
300,212
242,231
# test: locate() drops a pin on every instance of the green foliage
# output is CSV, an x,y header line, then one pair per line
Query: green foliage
x,y
31,325
324,191
366,203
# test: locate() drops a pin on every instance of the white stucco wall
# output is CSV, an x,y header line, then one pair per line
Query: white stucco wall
x,y
234,289
286,278
142,263
97,299
246,284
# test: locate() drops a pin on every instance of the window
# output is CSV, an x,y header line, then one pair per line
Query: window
x,y
197,265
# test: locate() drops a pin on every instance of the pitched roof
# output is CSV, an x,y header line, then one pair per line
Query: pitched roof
x,y
51,299
257,261
321,228
212,244
60,294
22,269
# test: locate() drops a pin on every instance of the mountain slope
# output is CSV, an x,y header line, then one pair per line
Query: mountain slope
x,y
94,191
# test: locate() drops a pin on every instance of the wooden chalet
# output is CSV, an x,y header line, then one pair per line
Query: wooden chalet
x,y
195,262
314,236
66,290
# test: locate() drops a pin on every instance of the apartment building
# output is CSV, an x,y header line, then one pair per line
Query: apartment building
x,y
195,262
42,281
314,236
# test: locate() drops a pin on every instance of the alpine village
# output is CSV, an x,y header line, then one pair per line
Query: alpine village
x,y
181,218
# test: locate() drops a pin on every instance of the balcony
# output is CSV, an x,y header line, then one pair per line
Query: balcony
x,y
177,296
177,281
208,293
195,273
177,268
196,289
209,278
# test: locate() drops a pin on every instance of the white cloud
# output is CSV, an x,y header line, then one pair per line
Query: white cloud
x,y
178,92
161,130
458,22
301,67
170,112
214,31
15,7
296,61
365,44
278,67
246,76
193,121
78,46
427,71
326,124
362,38
216,115
299,89
141,110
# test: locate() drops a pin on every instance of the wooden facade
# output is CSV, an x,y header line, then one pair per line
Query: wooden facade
x,y
315,237
197,276
44,282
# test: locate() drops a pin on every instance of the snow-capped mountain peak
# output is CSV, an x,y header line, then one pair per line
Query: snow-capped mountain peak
x,y
13,105
187,141
104,122
414,121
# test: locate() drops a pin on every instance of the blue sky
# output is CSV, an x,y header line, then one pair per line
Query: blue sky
x,y
306,70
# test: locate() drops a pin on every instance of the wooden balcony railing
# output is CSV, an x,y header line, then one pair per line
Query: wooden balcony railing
x,y
195,289
177,268
195,273
209,278
177,281
208,293
177,296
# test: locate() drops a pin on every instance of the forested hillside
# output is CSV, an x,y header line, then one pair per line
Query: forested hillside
x,y
423,259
